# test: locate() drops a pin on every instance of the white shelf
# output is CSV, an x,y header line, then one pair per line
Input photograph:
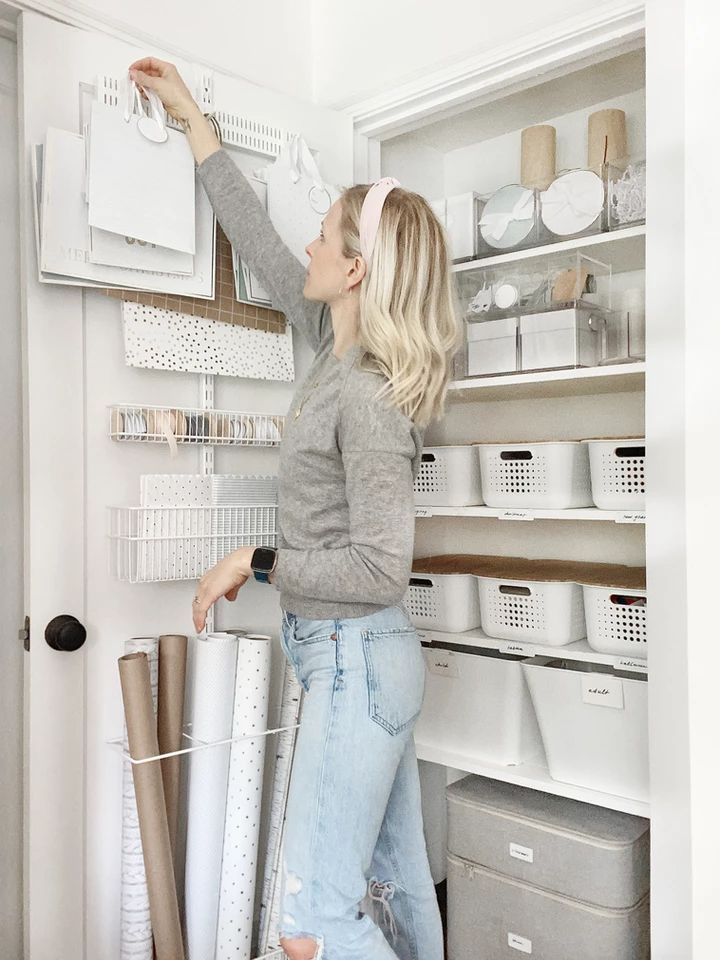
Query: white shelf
x,y
622,249
526,514
148,423
580,650
614,378
532,774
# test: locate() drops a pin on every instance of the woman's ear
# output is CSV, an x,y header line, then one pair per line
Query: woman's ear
x,y
357,271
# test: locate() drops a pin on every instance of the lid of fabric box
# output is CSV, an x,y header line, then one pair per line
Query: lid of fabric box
x,y
560,813
524,568
491,329
554,320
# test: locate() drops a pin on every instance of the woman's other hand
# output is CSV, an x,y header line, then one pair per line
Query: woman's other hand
x,y
163,79
223,580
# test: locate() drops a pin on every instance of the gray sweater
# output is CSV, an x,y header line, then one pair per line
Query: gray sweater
x,y
347,461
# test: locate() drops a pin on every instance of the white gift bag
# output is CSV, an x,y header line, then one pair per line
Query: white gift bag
x,y
141,175
115,250
62,219
298,198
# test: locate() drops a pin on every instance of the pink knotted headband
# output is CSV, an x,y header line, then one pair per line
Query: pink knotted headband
x,y
370,214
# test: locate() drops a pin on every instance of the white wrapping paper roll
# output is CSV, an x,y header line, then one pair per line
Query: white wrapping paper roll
x,y
136,937
211,706
244,800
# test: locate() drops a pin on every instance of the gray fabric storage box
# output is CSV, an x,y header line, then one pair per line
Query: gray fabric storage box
x,y
575,849
492,917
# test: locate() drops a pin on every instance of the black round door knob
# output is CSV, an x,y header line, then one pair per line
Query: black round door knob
x,y
65,633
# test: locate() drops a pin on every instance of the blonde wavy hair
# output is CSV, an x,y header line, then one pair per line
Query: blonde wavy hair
x,y
408,314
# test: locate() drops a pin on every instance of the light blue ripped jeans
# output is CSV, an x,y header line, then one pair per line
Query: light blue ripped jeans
x,y
354,822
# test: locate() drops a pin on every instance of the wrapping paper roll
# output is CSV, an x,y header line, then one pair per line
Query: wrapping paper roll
x,y
212,691
269,924
244,800
537,156
147,777
172,660
607,138
136,938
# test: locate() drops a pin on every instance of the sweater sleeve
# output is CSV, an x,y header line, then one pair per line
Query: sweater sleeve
x,y
378,444
253,236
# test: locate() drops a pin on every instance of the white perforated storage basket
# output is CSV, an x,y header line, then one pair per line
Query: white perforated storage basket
x,y
477,705
445,601
617,472
616,620
448,477
594,724
531,611
552,475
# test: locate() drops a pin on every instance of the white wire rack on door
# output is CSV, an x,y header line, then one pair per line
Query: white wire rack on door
x,y
156,424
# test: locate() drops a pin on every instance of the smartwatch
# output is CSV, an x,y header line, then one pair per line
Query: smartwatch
x,y
263,563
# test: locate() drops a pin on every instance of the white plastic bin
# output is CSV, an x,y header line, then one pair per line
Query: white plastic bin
x,y
531,611
594,724
553,475
617,471
444,601
448,477
492,347
477,705
616,620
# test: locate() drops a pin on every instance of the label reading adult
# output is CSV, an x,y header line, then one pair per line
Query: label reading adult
x,y
603,691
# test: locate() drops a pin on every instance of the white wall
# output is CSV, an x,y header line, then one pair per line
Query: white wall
x,y
268,43
11,531
361,51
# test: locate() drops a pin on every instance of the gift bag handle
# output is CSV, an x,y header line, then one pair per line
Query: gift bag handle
x,y
151,127
302,161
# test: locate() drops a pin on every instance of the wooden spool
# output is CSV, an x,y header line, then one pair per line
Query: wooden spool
x,y
537,156
607,137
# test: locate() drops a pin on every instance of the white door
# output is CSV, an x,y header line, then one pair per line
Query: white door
x,y
75,368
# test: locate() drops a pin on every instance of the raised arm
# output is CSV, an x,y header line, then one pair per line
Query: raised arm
x,y
240,213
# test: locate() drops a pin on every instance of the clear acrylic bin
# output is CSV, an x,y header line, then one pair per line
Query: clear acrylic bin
x,y
510,221
594,724
554,475
448,477
573,205
626,192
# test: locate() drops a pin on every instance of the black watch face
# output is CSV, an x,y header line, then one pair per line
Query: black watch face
x,y
263,558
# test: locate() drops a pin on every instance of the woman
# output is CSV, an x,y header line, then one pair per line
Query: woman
x,y
376,306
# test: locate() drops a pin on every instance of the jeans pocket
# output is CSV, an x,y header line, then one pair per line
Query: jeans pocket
x,y
395,676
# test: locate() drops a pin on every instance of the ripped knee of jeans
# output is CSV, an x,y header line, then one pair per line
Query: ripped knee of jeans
x,y
381,892
311,948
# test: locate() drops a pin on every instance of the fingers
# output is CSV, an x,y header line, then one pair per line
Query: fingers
x,y
153,66
144,79
232,594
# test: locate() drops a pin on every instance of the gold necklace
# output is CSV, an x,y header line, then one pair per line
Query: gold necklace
x,y
302,402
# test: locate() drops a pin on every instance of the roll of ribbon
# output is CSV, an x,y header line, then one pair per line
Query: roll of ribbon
x,y
572,203
508,217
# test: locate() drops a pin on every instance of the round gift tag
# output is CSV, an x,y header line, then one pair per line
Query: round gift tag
x,y
505,296
509,217
572,202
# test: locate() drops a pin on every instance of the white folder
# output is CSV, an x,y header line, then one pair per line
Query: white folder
x,y
139,188
65,236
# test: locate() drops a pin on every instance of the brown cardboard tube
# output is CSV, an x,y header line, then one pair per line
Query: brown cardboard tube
x,y
537,156
607,137
172,661
152,815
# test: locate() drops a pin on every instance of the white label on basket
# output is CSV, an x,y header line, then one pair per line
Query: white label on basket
x,y
512,647
631,518
624,663
443,663
603,691
423,512
519,943
522,853
515,515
